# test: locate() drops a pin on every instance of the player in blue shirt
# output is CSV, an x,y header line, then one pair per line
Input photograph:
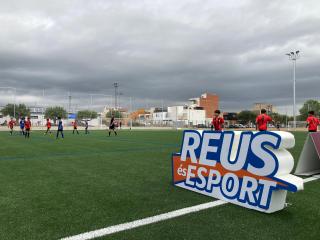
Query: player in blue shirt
x,y
21,126
60,128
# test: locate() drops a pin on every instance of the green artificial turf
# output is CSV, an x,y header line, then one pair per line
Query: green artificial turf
x,y
56,188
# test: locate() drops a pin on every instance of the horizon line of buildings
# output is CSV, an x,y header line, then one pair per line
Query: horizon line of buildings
x,y
197,111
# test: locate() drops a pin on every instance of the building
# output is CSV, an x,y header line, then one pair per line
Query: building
x,y
159,116
37,115
198,111
196,116
208,102
258,106
176,113
230,118
121,115
187,115
135,115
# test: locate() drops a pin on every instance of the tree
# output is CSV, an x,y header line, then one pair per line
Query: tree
x,y
55,112
117,114
87,114
21,110
309,105
282,118
247,116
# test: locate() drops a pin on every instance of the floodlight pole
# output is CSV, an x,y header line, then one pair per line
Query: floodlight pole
x,y
293,56
131,113
43,105
116,85
294,95
69,105
91,107
119,105
162,112
14,103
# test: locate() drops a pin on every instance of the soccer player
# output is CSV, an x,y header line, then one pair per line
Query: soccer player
x,y
262,121
22,126
112,126
217,121
86,126
28,128
48,124
60,128
11,125
312,122
75,126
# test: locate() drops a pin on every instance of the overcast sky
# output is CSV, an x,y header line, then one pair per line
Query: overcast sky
x,y
159,50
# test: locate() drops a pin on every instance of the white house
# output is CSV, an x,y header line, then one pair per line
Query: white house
x,y
196,116
37,116
160,117
187,115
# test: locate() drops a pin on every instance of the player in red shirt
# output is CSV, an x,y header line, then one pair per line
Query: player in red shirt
x,y
48,124
262,121
75,126
312,122
27,126
217,121
11,125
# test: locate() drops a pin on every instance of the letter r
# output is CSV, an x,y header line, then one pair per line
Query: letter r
x,y
188,148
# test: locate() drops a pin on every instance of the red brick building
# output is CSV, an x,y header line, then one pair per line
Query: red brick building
x,y
209,102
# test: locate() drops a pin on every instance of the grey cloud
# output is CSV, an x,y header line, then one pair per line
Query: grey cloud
x,y
161,49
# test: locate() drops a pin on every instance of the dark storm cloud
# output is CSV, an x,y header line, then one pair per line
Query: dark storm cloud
x,y
160,51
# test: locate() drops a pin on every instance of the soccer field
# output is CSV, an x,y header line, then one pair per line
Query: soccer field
x,y
50,189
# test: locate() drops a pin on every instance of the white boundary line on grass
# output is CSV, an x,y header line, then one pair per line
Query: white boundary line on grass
x,y
144,221
149,220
